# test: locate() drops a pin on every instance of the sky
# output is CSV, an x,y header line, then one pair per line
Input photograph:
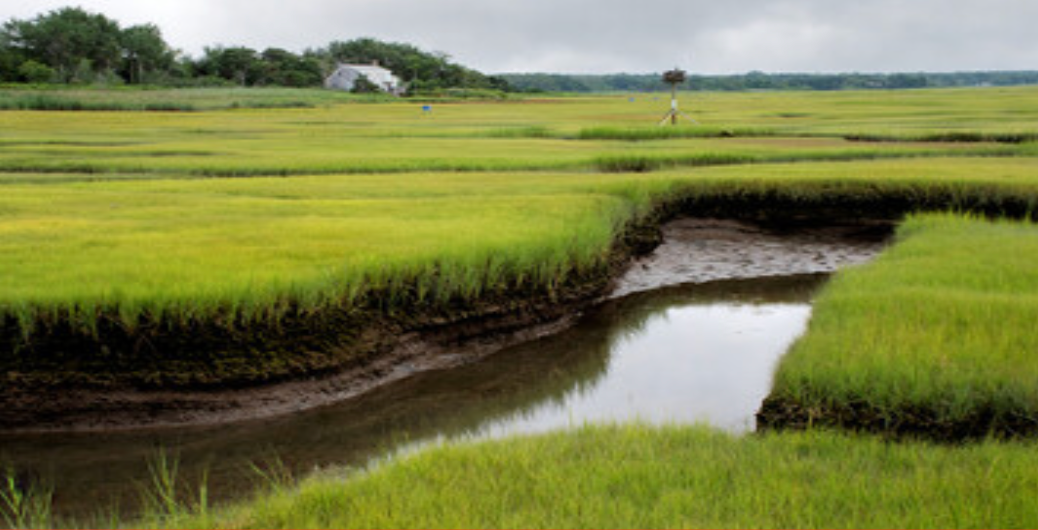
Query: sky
x,y
611,36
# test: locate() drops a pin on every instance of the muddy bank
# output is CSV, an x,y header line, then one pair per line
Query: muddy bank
x,y
271,371
690,353
162,376
909,421
699,250
201,372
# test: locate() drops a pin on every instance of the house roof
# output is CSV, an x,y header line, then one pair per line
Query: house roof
x,y
376,74
367,69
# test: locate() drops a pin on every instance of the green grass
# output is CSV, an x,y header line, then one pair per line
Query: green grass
x,y
150,99
112,217
671,477
333,141
252,248
934,338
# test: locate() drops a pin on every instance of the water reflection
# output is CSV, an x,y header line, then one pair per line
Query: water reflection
x,y
702,353
691,353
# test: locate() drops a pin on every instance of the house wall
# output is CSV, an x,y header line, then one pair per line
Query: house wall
x,y
342,79
345,77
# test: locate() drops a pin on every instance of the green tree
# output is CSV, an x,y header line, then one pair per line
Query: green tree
x,y
64,38
284,68
144,50
238,64
33,72
10,61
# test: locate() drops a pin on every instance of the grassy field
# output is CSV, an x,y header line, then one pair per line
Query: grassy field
x,y
129,218
249,248
147,99
935,338
670,477
108,191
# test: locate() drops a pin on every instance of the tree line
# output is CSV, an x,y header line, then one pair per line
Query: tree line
x,y
762,81
73,46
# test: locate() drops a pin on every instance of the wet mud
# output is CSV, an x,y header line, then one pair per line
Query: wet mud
x,y
302,365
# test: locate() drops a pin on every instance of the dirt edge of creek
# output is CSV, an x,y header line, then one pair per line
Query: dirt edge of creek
x,y
317,360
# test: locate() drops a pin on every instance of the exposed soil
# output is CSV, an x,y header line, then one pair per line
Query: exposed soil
x,y
698,250
197,373
919,422
163,376
319,371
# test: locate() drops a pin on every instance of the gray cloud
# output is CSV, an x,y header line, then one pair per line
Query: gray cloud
x,y
616,35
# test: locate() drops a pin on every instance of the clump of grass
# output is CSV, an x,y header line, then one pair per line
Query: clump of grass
x,y
644,477
57,103
46,102
948,136
24,503
533,131
261,104
934,339
645,162
166,497
666,133
641,163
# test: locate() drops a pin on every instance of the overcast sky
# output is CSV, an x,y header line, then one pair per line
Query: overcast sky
x,y
606,36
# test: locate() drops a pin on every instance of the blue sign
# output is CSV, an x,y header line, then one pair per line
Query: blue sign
x,y
426,108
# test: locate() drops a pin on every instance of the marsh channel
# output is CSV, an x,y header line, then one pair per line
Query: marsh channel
x,y
691,333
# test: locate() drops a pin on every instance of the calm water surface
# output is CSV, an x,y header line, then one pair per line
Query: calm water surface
x,y
692,353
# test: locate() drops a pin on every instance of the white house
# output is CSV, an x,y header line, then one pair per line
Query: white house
x,y
346,75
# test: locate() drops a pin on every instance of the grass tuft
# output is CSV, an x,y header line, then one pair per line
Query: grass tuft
x,y
933,339
644,477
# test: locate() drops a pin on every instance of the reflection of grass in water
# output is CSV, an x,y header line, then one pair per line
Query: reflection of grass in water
x,y
628,316
637,476
453,404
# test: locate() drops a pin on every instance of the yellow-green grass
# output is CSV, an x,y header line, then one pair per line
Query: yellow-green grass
x,y
987,110
506,136
253,247
292,142
150,240
133,252
132,98
671,477
936,337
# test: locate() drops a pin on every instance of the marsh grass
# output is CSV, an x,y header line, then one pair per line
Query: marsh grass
x,y
55,103
665,477
24,503
933,339
244,250
150,99
109,222
667,133
948,136
271,154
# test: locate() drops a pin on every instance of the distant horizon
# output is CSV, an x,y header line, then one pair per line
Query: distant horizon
x,y
593,37
736,74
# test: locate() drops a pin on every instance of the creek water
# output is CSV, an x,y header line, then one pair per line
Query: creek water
x,y
692,333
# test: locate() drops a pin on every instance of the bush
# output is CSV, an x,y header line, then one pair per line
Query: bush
x,y
34,72
363,85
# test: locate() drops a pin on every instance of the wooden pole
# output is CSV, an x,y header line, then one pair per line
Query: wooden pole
x,y
673,104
